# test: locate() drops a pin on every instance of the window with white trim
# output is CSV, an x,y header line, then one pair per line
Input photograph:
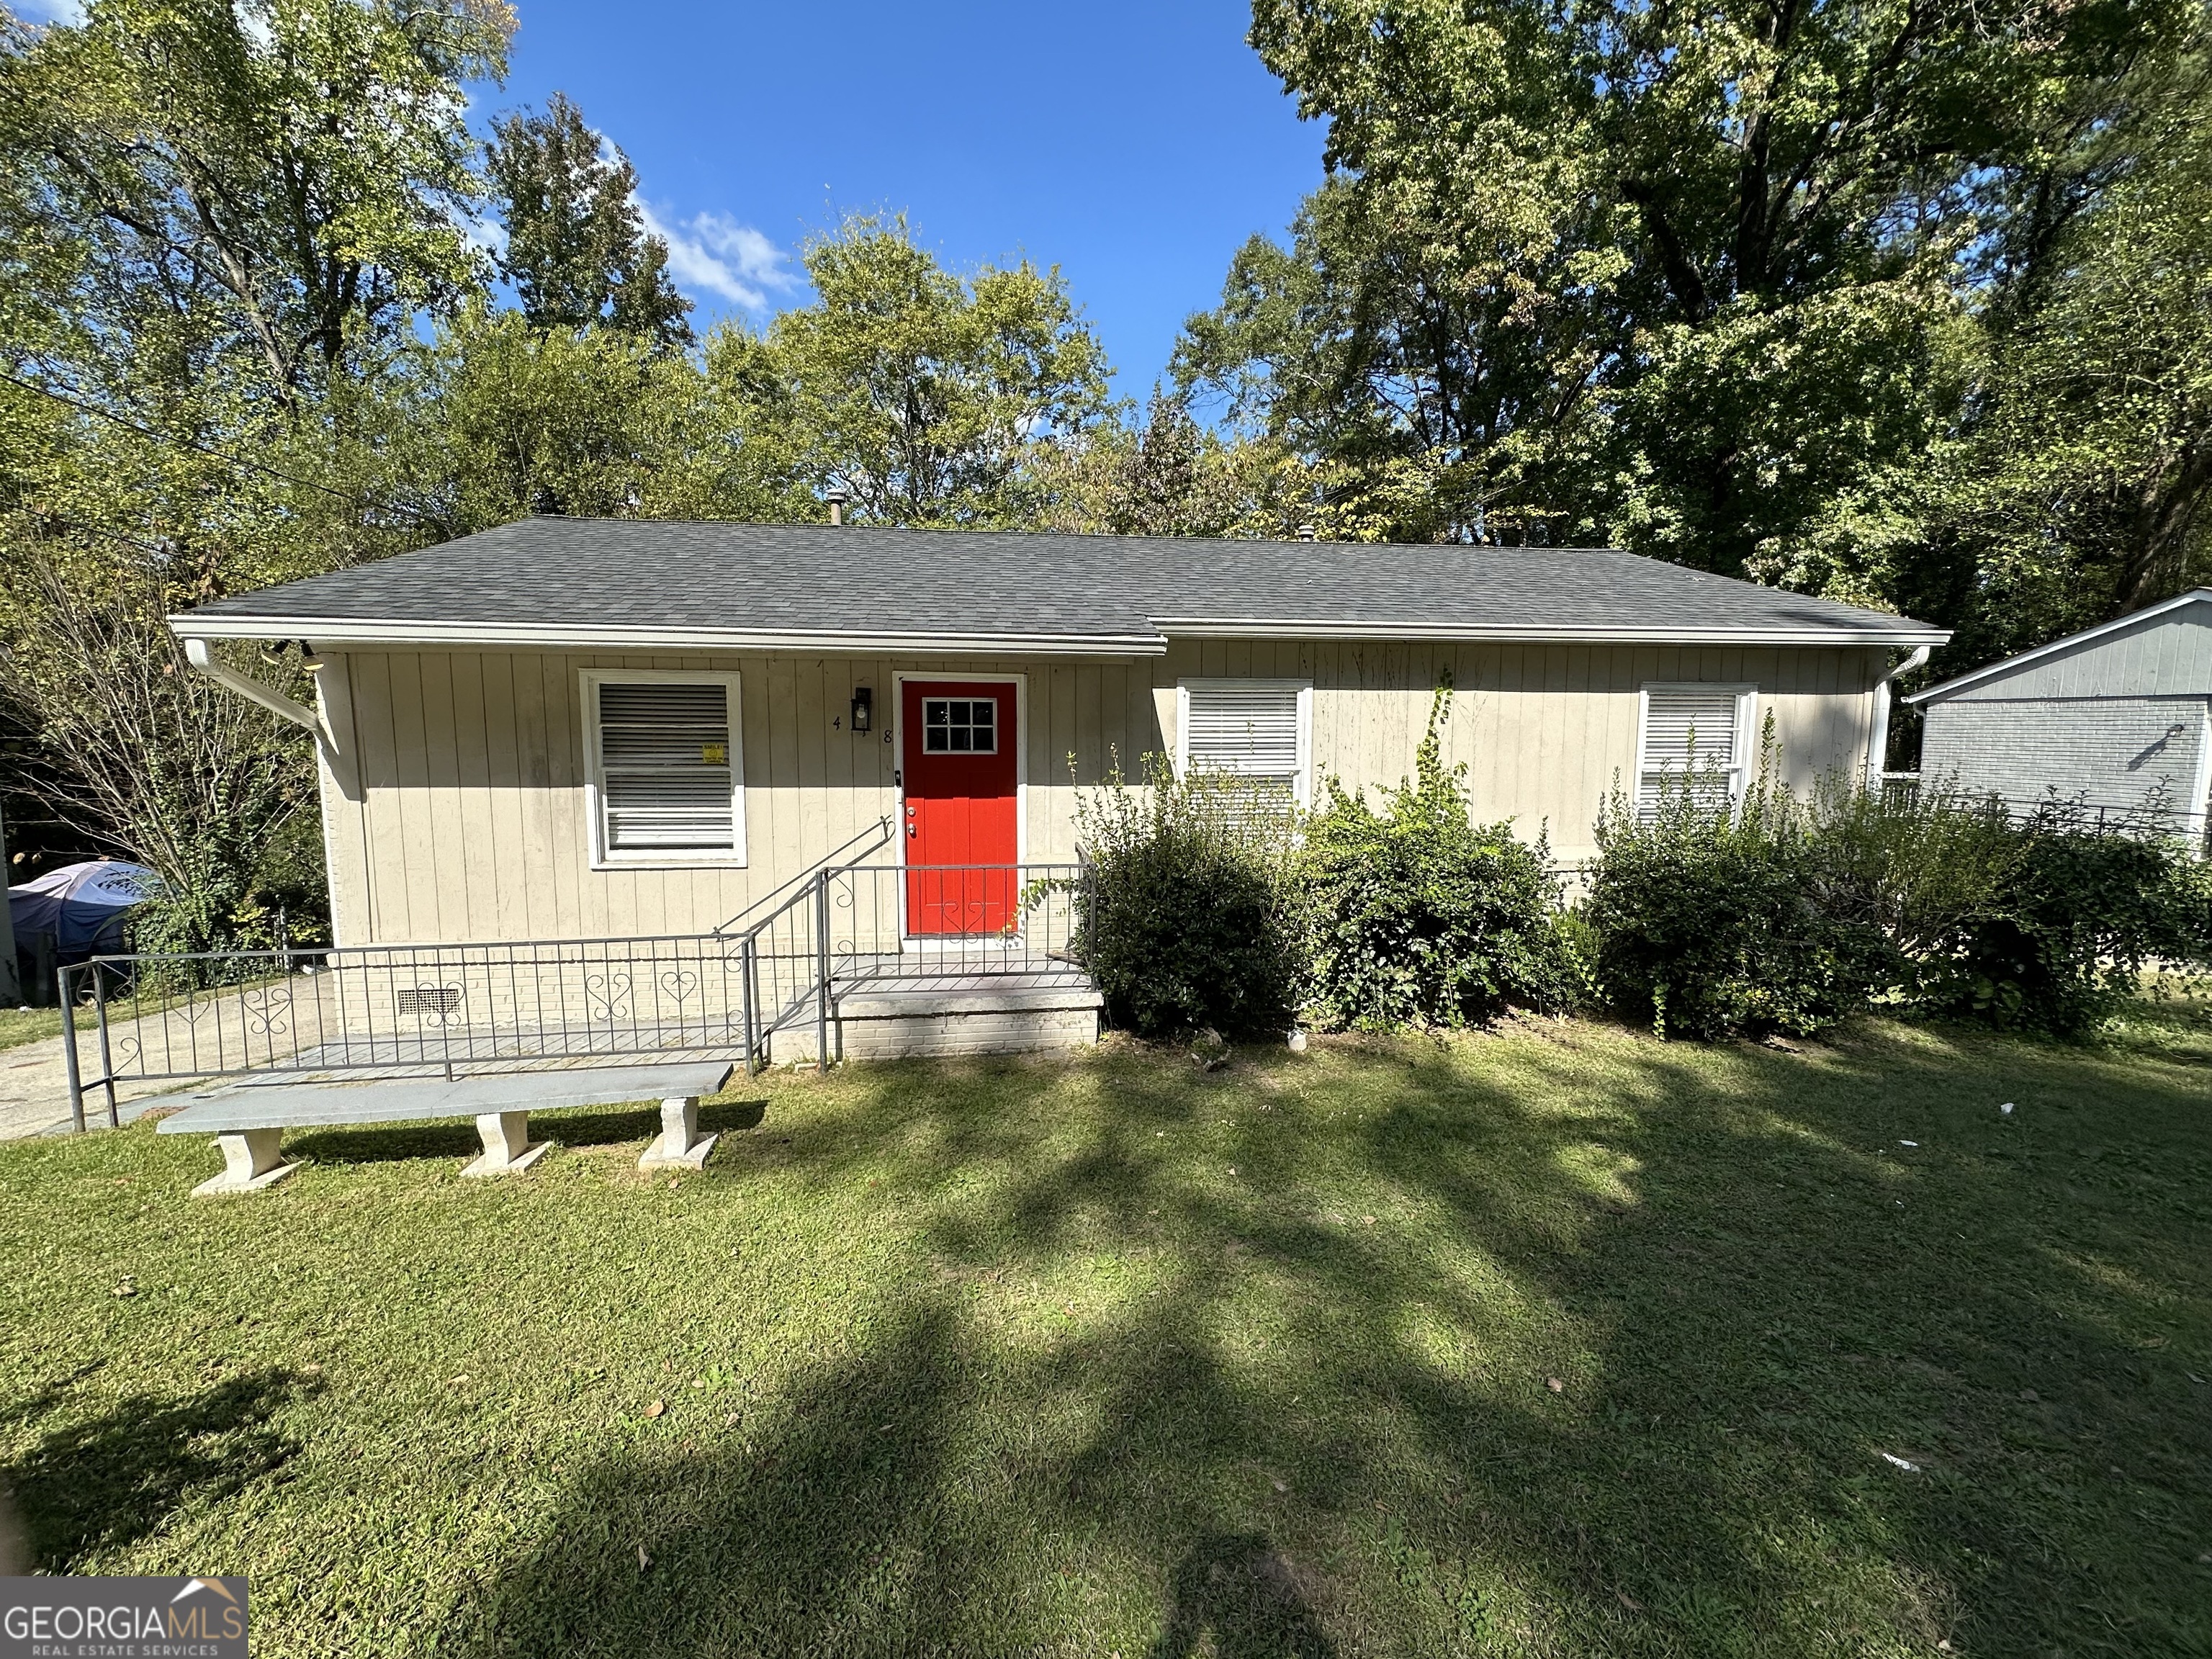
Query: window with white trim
x,y
1258,731
1697,735
667,777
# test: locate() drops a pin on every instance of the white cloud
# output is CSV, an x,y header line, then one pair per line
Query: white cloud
x,y
713,251
48,11
486,233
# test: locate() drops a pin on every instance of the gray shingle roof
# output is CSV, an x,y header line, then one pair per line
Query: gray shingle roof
x,y
637,581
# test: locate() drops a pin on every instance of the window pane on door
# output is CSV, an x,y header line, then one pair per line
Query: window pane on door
x,y
959,726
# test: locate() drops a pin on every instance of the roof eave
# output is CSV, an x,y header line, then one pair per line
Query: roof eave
x,y
340,631
1904,634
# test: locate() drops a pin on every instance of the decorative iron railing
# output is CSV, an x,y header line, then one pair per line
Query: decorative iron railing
x,y
408,1008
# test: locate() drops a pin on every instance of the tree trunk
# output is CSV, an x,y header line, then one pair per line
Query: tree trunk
x,y
2158,540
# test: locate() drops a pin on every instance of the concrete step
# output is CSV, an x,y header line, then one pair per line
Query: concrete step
x,y
967,1016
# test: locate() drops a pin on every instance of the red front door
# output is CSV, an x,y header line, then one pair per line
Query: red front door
x,y
961,844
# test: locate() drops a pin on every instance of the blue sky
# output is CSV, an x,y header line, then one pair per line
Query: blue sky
x,y
1136,144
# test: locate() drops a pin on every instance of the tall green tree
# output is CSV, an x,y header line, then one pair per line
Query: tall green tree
x,y
1737,284
577,249
1169,474
283,180
221,220
1446,374
496,418
928,396
2082,486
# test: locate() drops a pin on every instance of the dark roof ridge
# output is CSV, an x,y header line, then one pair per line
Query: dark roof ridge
x,y
1057,534
730,583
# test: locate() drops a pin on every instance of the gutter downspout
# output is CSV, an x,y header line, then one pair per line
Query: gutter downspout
x,y
1878,744
201,657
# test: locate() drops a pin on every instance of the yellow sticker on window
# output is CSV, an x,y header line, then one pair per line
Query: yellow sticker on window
x,y
713,754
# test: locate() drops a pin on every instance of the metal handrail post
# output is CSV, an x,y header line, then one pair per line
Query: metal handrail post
x,y
745,967
106,1058
822,971
69,1055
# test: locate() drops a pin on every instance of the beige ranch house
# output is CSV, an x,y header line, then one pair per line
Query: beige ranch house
x,y
569,728
613,807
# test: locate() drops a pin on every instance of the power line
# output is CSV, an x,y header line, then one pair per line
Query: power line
x,y
147,431
110,535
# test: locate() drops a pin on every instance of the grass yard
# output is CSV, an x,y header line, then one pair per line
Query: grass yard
x,y
20,1025
1555,1341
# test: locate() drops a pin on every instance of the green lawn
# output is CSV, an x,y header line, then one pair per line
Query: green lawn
x,y
1558,1342
21,1025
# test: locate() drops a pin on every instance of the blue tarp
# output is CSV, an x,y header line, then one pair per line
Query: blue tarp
x,y
82,905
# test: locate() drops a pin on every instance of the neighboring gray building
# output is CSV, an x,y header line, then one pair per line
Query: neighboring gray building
x,y
2113,716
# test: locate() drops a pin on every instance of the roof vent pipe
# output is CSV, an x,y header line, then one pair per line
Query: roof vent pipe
x,y
1306,531
836,498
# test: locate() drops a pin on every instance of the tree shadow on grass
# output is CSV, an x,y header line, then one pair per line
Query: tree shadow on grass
x,y
104,1483
1237,1597
951,1479
1331,1340
807,1526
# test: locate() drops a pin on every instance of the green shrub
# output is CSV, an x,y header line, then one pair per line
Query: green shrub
x,y
1789,915
216,903
1189,924
2079,911
1416,915
1704,921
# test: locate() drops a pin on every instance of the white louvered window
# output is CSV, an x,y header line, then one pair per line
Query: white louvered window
x,y
1253,729
1694,734
667,778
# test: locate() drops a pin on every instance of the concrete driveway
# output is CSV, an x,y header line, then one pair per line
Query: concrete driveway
x,y
34,1092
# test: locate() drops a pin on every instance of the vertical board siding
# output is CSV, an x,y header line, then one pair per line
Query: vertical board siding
x,y
345,844
456,809
2165,656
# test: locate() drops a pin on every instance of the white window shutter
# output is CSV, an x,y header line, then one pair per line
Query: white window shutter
x,y
1690,732
667,783
1247,731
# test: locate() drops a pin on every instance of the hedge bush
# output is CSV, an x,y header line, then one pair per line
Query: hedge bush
x,y
1702,921
1704,918
1416,914
1790,915
1190,922
2061,941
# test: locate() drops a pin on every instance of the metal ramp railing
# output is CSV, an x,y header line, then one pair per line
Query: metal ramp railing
x,y
407,1009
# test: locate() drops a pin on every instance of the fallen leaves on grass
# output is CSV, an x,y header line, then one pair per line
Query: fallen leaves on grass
x,y
656,1408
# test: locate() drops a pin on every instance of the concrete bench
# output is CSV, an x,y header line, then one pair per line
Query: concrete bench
x,y
248,1121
